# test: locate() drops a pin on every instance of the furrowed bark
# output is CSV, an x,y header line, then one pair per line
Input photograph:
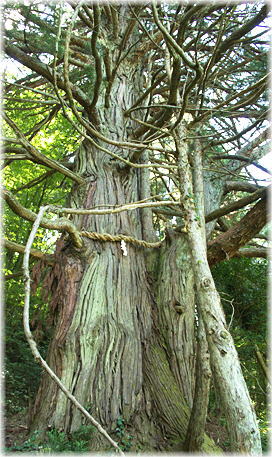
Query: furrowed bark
x,y
175,307
32,343
195,432
102,300
168,402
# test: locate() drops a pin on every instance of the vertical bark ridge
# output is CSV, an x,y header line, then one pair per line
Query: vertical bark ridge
x,y
111,318
101,354
175,298
169,403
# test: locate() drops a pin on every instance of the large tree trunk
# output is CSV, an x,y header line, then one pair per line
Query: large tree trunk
x,y
124,324
103,302
106,312
101,299
124,340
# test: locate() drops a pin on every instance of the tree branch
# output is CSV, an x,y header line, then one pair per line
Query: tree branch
x,y
43,70
227,101
227,244
242,159
127,207
41,157
172,42
241,186
236,136
13,275
12,246
36,181
234,206
239,33
252,252
262,363
61,224
98,66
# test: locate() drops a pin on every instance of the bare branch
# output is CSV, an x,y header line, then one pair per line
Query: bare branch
x,y
12,246
234,38
242,186
238,135
44,71
252,252
33,152
227,101
61,224
98,66
242,159
34,182
13,275
234,206
227,244
254,150
172,42
128,207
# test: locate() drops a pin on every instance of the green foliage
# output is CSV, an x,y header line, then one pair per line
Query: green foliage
x,y
22,373
245,282
56,139
242,284
265,430
244,342
56,441
124,439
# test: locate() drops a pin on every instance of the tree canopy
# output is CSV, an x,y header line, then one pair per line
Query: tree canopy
x,y
226,104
